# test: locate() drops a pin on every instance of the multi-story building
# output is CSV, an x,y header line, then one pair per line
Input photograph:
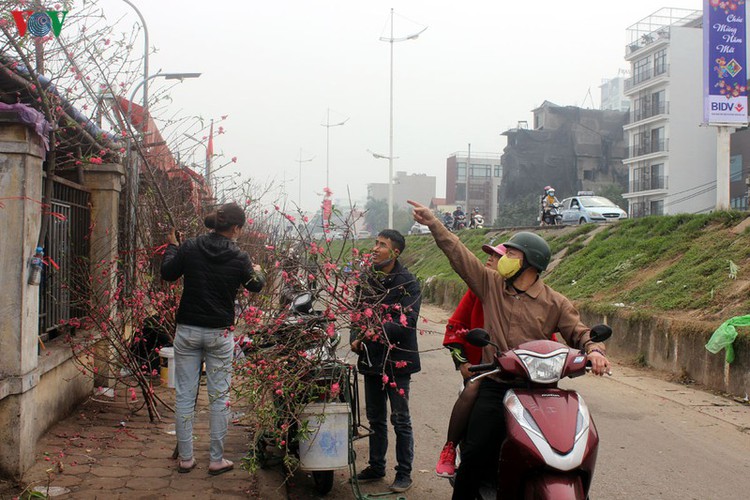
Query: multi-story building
x,y
405,187
477,186
671,158
569,148
613,94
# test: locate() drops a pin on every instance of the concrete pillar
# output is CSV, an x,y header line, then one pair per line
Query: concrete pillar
x,y
105,183
21,157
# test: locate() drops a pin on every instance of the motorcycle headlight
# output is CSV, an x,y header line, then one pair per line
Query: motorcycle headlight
x,y
544,369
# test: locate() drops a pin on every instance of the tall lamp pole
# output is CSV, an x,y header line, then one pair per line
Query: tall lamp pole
x,y
299,179
328,126
391,40
145,54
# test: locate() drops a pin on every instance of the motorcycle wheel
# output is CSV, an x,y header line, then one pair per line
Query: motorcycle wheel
x,y
323,480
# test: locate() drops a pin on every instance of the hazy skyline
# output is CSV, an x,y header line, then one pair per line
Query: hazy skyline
x,y
480,67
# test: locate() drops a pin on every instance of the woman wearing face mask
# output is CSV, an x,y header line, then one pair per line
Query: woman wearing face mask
x,y
214,268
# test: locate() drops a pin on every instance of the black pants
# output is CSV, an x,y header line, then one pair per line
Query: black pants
x,y
480,450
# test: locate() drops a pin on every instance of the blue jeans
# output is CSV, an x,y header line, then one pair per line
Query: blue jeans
x,y
193,345
376,398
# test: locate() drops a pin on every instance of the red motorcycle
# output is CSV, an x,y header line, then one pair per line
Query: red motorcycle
x,y
551,443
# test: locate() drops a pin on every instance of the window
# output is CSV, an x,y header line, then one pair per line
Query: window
x,y
588,175
498,170
657,207
642,70
460,192
479,170
735,168
658,103
657,139
461,172
660,62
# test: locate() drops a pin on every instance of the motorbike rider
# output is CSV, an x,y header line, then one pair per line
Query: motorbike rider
x,y
474,214
518,307
468,315
458,216
549,200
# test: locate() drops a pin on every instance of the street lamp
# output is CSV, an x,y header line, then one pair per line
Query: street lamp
x,y
145,53
391,40
328,126
299,180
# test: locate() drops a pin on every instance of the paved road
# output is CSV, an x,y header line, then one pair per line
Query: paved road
x,y
658,439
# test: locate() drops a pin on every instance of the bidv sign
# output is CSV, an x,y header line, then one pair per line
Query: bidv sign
x,y
727,106
39,23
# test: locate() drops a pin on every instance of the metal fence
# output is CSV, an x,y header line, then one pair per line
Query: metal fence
x,y
67,250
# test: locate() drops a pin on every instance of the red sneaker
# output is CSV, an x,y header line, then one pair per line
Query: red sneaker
x,y
446,466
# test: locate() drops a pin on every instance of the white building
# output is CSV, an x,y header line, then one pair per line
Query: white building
x,y
671,157
613,94
405,187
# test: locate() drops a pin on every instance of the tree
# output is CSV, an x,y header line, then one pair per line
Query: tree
x,y
376,217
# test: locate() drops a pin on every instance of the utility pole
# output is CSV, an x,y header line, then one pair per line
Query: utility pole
x,y
299,179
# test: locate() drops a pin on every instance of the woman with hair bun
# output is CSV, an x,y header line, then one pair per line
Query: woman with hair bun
x,y
214,268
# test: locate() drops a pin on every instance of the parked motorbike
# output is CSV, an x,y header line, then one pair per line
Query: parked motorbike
x,y
552,216
302,338
459,222
551,441
477,221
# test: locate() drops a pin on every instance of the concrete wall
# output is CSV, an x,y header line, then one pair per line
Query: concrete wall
x,y
678,347
38,388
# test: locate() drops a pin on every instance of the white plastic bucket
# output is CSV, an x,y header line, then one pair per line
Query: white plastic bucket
x,y
327,444
167,366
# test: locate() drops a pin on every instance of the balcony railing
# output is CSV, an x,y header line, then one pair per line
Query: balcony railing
x,y
649,147
645,75
661,108
644,209
648,183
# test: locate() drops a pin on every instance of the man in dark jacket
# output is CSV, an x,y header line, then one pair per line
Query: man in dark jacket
x,y
388,355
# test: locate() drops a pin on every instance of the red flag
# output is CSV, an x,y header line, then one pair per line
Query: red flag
x,y
210,149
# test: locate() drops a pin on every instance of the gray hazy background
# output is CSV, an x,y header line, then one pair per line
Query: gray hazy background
x,y
481,66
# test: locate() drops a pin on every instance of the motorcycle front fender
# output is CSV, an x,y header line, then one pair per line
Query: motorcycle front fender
x,y
554,487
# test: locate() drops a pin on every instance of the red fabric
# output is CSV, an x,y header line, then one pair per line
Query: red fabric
x,y
469,314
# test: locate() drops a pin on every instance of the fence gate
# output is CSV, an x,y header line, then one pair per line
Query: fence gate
x,y
67,250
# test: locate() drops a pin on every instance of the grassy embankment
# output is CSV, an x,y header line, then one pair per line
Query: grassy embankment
x,y
670,265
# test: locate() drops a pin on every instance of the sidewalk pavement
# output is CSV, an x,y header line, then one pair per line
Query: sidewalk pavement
x,y
105,450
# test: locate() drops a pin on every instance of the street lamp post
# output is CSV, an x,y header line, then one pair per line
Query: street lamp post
x,y
328,126
299,179
145,53
391,40
133,174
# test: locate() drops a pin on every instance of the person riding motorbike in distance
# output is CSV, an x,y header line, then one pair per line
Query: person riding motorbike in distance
x,y
518,307
549,200
474,214
458,216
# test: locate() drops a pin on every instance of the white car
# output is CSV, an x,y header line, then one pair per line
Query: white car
x,y
418,228
587,208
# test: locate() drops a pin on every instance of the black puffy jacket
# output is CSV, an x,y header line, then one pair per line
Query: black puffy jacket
x,y
214,268
401,289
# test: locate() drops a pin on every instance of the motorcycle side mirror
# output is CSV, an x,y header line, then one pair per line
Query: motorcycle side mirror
x,y
302,302
478,337
600,333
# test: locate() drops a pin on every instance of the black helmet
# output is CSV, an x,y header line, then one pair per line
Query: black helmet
x,y
534,248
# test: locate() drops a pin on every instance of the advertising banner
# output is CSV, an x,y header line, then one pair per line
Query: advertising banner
x,y
725,61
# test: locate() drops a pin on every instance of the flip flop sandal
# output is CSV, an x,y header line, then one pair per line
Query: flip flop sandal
x,y
216,472
183,470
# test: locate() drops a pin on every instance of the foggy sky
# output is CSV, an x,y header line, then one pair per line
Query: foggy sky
x,y
481,66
